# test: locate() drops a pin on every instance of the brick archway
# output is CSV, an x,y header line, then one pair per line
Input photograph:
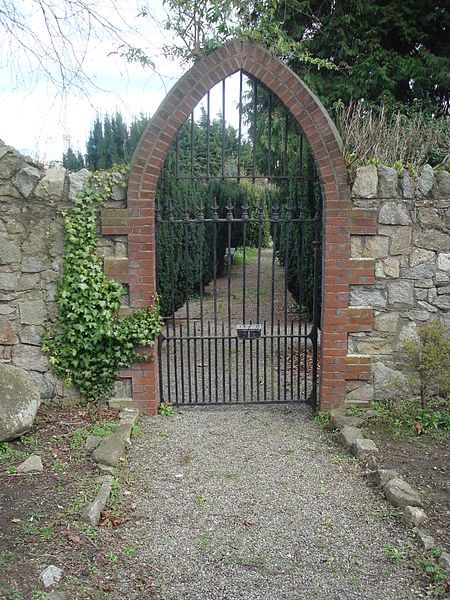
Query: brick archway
x,y
340,372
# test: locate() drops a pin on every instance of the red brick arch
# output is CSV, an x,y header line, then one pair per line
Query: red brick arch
x,y
338,371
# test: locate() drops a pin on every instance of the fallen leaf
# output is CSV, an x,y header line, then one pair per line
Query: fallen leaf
x,y
73,537
109,520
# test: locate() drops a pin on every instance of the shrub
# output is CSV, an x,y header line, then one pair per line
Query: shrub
x,y
427,359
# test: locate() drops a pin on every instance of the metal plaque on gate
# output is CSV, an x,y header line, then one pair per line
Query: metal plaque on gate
x,y
248,332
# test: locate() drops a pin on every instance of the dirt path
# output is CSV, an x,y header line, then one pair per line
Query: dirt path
x,y
253,503
223,369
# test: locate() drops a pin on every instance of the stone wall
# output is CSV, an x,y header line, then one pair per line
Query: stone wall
x,y
31,249
411,250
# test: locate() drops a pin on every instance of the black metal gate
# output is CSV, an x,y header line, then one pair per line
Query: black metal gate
x,y
238,229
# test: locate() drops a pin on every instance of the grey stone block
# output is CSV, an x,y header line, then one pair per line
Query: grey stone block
x,y
33,464
110,451
348,435
401,494
394,213
366,182
413,515
362,448
19,402
401,292
26,179
388,185
425,182
91,512
382,476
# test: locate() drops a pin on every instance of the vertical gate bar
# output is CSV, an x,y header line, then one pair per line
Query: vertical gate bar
x,y
160,341
258,289
192,144
288,223
239,129
237,369
169,394
223,363
182,364
215,219
265,360
195,364
209,361
278,360
171,220
316,316
223,128
202,234
255,109
272,309
186,269
244,242
291,341
300,257
229,225
208,127
251,367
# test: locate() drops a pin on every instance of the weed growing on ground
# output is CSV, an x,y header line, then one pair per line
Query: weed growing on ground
x,y
129,550
394,554
166,410
322,418
354,411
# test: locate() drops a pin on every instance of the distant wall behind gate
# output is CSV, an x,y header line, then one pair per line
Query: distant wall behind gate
x,y
410,250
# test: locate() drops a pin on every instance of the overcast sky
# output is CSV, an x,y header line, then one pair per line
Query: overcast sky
x,y
42,122
38,120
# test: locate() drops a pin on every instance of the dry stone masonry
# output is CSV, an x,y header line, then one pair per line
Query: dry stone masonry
x,y
411,249
32,200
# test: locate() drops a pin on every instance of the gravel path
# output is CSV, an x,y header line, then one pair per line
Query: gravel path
x,y
254,503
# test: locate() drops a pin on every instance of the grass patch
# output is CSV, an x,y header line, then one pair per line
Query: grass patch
x,y
250,253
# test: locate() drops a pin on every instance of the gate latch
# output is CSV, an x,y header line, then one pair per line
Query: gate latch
x,y
248,332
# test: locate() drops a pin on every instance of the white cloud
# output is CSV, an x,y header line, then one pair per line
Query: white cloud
x,y
42,123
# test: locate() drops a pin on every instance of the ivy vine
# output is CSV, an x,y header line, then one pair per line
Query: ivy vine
x,y
89,342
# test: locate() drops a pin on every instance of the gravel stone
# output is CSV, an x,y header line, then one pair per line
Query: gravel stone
x,y
444,561
247,503
33,464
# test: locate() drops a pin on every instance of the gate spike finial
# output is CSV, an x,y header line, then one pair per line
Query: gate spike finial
x,y
275,210
262,206
201,210
229,209
245,208
215,209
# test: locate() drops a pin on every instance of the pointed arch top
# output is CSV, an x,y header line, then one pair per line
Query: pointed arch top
x,y
339,374
258,63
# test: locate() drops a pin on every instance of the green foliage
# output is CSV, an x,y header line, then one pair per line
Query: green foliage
x,y
399,416
395,554
89,343
72,161
371,49
250,253
428,360
322,418
112,142
166,410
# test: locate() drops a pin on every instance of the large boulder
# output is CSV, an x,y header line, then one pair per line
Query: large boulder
x,y
19,401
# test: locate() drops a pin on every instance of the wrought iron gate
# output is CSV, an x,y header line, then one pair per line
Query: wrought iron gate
x,y
239,257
